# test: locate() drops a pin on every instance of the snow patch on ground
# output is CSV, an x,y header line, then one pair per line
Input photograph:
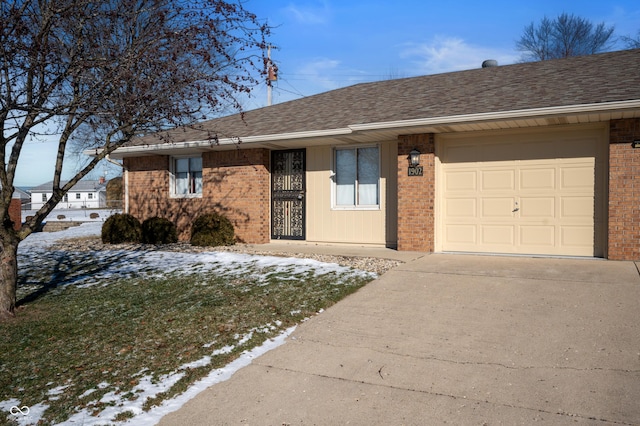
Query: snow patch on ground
x,y
123,264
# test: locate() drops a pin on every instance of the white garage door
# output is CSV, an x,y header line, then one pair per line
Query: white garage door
x,y
525,194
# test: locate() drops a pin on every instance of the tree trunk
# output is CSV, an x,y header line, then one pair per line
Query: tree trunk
x,y
8,278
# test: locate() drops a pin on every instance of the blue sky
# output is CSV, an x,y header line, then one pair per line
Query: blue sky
x,y
320,45
326,44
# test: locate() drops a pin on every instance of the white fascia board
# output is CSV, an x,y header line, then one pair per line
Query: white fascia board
x,y
224,142
296,135
501,115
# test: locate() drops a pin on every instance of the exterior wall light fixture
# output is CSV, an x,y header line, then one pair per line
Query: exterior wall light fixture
x,y
635,144
414,157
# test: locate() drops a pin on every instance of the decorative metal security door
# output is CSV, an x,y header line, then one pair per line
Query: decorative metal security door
x,y
287,194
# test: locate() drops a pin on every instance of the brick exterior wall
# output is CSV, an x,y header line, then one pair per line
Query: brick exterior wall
x,y
416,195
235,183
15,213
624,190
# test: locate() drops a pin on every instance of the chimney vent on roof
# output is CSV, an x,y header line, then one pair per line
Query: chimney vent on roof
x,y
490,63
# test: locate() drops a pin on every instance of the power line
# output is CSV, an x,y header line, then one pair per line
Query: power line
x,y
289,91
327,75
295,92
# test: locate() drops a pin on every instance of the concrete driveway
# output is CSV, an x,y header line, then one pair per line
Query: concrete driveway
x,y
455,339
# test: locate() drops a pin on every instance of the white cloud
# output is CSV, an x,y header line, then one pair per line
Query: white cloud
x,y
316,13
319,72
314,76
445,54
324,74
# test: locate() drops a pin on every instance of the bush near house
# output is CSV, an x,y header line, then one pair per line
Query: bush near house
x,y
121,228
212,230
159,230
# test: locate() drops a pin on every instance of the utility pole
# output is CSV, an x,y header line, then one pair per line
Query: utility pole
x,y
272,75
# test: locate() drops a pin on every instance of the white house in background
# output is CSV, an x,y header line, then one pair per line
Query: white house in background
x,y
24,196
86,194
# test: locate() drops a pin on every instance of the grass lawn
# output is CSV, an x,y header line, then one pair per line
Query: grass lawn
x,y
141,338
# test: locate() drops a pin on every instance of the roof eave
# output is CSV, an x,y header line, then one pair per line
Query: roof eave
x,y
220,144
403,126
605,107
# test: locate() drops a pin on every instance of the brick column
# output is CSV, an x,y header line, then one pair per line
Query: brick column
x,y
416,195
624,190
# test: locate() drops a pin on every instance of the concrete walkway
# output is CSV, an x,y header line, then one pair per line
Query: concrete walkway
x,y
339,250
455,339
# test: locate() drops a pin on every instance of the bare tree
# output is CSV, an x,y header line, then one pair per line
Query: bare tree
x,y
630,42
104,72
567,35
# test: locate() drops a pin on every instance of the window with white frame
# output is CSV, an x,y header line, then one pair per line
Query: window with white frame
x,y
44,198
77,195
187,176
90,196
357,177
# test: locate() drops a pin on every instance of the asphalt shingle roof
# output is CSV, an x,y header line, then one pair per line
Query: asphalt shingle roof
x,y
81,186
600,78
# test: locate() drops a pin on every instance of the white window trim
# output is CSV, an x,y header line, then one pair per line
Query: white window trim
x,y
172,178
334,205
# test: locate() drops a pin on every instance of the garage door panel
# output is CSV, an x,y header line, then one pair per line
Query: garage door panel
x,y
498,234
538,207
536,236
461,207
577,177
577,236
461,234
498,180
577,207
461,181
497,208
521,193
538,179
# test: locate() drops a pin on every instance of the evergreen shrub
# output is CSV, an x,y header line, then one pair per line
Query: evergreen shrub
x,y
121,228
159,230
212,230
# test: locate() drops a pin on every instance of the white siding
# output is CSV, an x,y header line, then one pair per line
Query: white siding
x,y
325,224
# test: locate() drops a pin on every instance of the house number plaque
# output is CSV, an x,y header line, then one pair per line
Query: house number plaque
x,y
415,171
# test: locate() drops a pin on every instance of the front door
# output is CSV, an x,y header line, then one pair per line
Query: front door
x,y
287,195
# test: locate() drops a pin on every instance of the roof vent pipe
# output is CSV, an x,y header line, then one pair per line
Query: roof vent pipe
x,y
489,63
